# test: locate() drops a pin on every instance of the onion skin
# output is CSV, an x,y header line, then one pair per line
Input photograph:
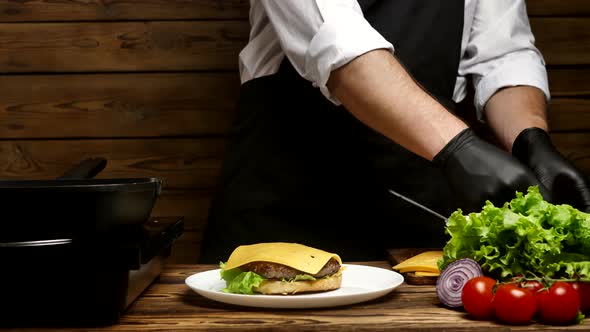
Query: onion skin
x,y
452,279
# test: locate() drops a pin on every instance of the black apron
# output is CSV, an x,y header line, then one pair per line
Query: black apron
x,y
300,169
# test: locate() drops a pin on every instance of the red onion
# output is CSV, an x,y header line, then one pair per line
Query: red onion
x,y
452,279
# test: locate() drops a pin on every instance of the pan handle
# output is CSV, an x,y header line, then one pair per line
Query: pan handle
x,y
86,169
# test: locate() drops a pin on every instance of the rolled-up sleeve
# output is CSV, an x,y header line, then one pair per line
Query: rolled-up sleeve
x,y
501,51
319,36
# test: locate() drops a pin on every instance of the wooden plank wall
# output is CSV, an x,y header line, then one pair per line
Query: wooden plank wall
x,y
148,84
152,84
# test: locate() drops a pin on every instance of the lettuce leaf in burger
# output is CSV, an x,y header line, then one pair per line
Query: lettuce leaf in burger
x,y
280,268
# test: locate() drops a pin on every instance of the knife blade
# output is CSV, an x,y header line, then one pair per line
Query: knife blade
x,y
411,201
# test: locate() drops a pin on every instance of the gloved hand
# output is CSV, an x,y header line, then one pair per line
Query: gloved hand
x,y
478,171
566,183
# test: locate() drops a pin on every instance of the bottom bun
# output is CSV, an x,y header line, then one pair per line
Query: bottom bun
x,y
270,287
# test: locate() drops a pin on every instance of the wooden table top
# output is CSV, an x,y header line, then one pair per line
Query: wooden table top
x,y
169,305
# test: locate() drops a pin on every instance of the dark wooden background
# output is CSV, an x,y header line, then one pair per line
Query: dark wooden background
x,y
152,84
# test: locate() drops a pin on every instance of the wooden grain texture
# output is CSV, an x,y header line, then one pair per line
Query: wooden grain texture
x,y
195,45
563,41
576,147
194,206
179,104
180,163
117,105
98,10
569,114
187,249
171,306
121,46
193,203
569,81
558,7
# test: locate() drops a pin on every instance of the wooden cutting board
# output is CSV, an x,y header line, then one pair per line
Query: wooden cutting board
x,y
399,255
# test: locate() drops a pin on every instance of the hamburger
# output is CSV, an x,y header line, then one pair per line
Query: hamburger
x,y
280,268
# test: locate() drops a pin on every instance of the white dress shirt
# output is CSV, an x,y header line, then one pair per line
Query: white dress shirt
x,y
319,36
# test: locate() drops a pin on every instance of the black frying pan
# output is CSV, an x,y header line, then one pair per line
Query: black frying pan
x,y
75,204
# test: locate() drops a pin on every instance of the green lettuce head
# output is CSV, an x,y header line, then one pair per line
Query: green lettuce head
x,y
526,236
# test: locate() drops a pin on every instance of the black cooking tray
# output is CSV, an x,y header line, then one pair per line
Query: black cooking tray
x,y
80,283
74,205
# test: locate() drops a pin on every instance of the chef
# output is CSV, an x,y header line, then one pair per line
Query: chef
x,y
342,100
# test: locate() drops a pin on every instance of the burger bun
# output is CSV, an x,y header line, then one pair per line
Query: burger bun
x,y
276,287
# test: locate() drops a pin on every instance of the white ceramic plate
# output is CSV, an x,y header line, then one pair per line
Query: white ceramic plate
x,y
359,283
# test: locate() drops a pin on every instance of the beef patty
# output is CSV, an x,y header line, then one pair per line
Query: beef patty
x,y
280,271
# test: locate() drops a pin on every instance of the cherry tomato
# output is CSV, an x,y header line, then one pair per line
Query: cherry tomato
x,y
514,305
477,295
559,304
532,285
583,289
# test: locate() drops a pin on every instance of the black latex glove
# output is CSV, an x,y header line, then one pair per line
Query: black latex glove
x,y
566,183
478,171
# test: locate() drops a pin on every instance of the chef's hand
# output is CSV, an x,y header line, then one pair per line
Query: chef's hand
x,y
567,184
478,171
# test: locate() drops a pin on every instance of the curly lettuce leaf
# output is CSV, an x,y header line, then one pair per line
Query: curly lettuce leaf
x,y
238,281
527,235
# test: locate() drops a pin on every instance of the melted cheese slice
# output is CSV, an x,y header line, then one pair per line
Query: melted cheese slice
x,y
426,274
424,262
297,256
